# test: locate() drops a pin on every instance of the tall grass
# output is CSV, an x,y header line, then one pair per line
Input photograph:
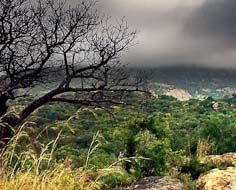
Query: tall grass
x,y
29,170
204,147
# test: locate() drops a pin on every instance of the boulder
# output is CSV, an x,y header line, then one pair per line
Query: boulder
x,y
155,183
216,106
179,94
217,179
228,158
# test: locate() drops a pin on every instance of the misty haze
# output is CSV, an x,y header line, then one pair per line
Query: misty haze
x,y
117,94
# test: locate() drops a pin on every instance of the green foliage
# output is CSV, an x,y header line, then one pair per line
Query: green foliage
x,y
157,139
155,150
195,168
117,179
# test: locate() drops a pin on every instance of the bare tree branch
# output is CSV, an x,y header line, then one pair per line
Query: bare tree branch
x,y
47,39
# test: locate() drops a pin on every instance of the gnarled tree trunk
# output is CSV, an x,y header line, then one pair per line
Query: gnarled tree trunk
x,y
5,128
3,104
8,122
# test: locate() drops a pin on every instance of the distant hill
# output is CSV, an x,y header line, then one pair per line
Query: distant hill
x,y
198,81
179,81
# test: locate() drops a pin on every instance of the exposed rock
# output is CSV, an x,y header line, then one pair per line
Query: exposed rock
x,y
228,158
229,90
217,179
179,94
155,183
216,106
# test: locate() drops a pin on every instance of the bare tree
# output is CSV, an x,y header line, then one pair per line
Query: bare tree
x,y
48,37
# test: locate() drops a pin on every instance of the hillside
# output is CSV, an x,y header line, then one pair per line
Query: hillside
x,y
162,137
198,81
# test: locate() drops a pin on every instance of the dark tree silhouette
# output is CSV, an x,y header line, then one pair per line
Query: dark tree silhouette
x,y
47,39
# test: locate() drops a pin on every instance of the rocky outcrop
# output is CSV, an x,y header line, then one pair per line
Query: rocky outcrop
x,y
216,106
179,94
225,159
155,183
217,179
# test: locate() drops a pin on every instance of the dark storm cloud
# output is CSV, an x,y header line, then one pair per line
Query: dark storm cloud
x,y
214,21
159,23
146,14
199,32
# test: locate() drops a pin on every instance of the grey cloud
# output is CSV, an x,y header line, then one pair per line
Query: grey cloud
x,y
159,25
214,21
150,14
198,32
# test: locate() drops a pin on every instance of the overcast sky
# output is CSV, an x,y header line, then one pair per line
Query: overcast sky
x,y
199,32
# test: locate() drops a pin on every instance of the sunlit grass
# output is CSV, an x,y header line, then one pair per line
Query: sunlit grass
x,y
32,171
203,148
60,178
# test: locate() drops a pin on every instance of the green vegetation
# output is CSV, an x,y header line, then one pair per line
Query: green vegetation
x,y
98,149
